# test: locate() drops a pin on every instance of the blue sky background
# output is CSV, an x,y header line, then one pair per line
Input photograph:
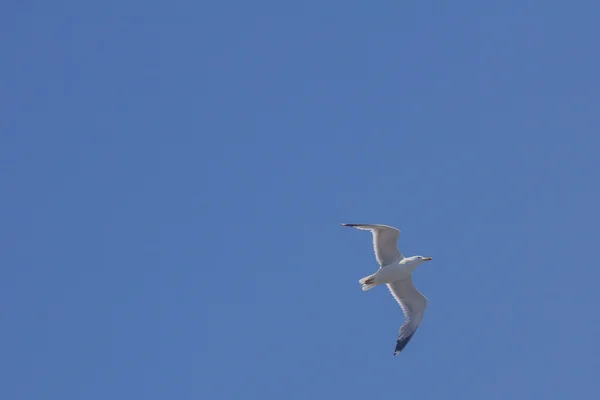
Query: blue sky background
x,y
174,174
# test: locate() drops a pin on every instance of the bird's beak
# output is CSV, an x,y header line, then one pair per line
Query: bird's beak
x,y
427,259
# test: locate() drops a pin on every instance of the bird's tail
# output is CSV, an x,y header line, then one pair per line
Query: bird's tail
x,y
368,282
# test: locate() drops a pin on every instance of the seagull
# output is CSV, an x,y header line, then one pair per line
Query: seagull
x,y
395,271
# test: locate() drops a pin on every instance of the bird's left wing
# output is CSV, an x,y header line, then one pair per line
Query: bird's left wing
x,y
413,304
385,242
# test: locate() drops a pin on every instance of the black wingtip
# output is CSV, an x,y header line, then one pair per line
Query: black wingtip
x,y
401,343
351,225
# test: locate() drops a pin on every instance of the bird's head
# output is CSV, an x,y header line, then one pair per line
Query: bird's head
x,y
421,259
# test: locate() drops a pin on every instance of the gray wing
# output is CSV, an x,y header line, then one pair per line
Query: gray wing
x,y
413,304
385,242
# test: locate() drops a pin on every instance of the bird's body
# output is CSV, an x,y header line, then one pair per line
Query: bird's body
x,y
395,271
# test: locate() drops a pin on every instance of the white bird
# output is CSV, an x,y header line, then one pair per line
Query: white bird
x,y
396,272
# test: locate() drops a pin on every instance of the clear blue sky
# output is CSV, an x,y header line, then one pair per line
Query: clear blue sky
x,y
174,174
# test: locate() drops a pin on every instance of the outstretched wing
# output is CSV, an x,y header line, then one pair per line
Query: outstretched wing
x,y
385,242
413,304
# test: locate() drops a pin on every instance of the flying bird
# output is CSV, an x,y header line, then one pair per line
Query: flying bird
x,y
395,271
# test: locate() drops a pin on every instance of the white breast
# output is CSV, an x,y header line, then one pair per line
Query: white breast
x,y
392,273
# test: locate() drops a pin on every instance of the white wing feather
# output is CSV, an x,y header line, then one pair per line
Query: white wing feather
x,y
385,242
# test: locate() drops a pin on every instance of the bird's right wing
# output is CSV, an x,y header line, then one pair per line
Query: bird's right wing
x,y
385,242
413,304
